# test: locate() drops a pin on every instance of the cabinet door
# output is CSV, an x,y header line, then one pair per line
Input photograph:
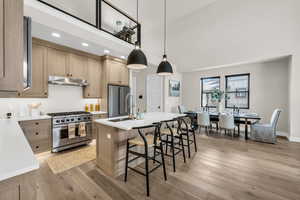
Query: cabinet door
x,y
57,62
77,66
39,87
124,75
1,39
94,74
12,63
114,72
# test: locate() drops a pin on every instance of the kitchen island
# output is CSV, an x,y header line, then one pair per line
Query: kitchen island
x,y
112,136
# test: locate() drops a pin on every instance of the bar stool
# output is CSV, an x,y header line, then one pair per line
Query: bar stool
x,y
146,141
186,128
173,139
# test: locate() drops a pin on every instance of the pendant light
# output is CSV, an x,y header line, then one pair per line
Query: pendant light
x,y
165,68
137,59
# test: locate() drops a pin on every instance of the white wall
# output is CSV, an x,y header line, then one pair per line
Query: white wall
x,y
269,88
61,99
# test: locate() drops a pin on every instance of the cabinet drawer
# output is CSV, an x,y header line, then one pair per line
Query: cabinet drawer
x,y
36,123
40,146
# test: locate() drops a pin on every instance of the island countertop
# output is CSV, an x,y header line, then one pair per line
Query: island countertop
x,y
149,118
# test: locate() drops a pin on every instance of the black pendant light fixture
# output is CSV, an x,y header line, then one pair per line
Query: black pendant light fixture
x,y
137,59
165,68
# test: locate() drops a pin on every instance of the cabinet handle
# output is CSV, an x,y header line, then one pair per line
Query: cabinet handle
x,y
36,133
37,147
36,123
46,93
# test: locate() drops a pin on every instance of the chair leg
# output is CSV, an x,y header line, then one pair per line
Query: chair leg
x,y
167,144
195,143
147,170
182,146
163,161
154,153
126,162
173,153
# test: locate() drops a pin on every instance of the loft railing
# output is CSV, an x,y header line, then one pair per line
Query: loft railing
x,y
102,15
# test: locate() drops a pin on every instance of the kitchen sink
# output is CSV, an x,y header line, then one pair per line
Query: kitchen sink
x,y
120,119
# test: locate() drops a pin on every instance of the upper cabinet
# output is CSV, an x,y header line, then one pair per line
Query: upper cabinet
x,y
77,66
116,71
11,45
94,78
57,62
39,87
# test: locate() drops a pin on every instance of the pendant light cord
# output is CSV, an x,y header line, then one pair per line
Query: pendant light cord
x,y
165,28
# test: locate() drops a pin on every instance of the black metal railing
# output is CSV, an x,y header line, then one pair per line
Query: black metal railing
x,y
103,16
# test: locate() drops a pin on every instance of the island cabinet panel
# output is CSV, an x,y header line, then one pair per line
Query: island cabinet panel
x,y
94,127
111,149
11,45
39,87
57,62
94,76
38,134
22,187
77,66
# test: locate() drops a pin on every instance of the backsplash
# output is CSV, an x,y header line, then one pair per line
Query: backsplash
x,y
60,99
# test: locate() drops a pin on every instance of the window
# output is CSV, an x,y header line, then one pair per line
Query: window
x,y
238,91
207,86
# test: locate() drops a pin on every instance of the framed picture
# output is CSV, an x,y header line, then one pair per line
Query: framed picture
x,y
174,88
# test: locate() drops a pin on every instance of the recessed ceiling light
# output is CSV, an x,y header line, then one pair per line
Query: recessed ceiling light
x,y
106,51
57,35
84,44
123,57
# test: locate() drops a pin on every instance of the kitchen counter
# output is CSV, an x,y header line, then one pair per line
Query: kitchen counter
x,y
112,137
98,113
149,119
16,155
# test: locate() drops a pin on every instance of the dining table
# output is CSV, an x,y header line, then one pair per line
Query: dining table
x,y
245,118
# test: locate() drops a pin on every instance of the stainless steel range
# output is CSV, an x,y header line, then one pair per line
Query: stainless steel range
x,y
70,129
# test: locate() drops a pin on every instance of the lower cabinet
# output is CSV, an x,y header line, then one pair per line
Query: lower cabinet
x,y
38,134
23,187
94,129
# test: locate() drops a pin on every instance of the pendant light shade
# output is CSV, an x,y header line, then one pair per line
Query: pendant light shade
x,y
137,59
165,68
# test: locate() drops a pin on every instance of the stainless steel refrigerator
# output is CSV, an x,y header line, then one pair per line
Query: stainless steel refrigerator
x,y
118,100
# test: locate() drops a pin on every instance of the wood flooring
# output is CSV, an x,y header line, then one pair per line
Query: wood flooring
x,y
222,169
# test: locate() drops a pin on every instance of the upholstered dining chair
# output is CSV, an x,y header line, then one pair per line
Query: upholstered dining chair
x,y
226,123
266,132
203,120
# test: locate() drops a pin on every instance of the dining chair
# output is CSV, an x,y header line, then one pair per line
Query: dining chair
x,y
226,123
203,120
181,109
266,132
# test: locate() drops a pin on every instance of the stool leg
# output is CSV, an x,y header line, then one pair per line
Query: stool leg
x,y
147,170
173,152
163,160
182,146
126,162
167,144
154,154
195,143
188,143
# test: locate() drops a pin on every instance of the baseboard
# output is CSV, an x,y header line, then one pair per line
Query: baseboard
x,y
294,139
282,134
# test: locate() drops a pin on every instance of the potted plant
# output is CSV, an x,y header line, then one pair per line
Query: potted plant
x,y
217,96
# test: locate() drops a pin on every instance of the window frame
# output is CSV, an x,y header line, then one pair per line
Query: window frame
x,y
235,92
205,78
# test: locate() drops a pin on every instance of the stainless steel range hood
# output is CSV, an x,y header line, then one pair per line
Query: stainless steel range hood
x,y
61,80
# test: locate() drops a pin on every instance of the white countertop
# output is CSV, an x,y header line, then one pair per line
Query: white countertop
x,y
16,155
149,119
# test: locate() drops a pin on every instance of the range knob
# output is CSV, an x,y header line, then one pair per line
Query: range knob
x,y
57,121
79,118
72,119
68,120
62,120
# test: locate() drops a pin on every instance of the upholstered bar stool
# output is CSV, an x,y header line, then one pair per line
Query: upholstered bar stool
x,y
171,137
187,131
147,141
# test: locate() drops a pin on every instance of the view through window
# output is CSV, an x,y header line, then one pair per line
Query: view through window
x,y
207,86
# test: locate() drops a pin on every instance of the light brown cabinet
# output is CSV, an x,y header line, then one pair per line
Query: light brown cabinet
x,y
39,87
38,134
117,72
94,128
94,76
77,67
11,45
57,62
